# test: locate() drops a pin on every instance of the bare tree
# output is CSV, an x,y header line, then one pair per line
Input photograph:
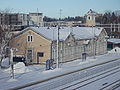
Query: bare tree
x,y
5,34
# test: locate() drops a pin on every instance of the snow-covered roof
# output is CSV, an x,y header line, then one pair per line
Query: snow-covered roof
x,y
51,33
114,40
91,12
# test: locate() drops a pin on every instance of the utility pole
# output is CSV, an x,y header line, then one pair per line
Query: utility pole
x,y
38,17
118,27
57,66
12,65
111,31
61,53
94,42
59,24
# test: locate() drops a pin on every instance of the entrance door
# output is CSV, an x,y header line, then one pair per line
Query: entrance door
x,y
39,56
29,56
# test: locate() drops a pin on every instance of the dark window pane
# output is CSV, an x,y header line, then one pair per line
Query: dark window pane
x,y
28,38
31,38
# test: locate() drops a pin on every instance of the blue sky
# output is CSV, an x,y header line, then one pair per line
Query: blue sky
x,y
52,7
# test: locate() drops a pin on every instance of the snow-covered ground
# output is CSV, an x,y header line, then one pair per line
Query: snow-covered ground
x,y
96,83
5,63
34,73
115,50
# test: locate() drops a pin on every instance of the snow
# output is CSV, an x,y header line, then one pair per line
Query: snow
x,y
100,83
62,80
78,32
22,67
5,62
18,68
115,50
114,40
37,72
94,85
54,70
12,80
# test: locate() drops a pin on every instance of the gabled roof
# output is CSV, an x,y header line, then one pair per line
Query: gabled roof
x,y
51,33
91,12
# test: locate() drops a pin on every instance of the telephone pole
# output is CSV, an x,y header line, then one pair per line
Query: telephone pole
x,y
59,24
58,48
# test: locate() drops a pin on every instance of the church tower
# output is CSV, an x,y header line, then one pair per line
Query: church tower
x,y
90,18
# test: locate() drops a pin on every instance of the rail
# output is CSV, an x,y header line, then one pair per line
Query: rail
x,y
72,73
79,86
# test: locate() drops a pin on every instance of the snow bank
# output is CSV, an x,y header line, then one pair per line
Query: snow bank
x,y
115,50
12,80
18,68
5,63
54,70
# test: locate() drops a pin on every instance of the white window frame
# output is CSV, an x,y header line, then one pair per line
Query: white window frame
x,y
29,38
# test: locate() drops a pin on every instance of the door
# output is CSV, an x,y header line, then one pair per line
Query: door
x,y
39,56
29,55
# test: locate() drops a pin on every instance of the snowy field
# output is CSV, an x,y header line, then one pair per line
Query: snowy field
x,y
23,74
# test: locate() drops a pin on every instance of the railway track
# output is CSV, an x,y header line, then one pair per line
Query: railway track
x,y
62,79
114,85
79,85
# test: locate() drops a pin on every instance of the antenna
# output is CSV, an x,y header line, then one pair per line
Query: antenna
x,y
60,13
37,17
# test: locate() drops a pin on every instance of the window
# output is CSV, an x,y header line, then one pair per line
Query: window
x,y
30,38
89,18
40,54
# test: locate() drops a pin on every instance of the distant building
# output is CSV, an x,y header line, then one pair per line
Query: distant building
x,y
113,30
113,42
13,19
19,21
38,44
62,23
24,18
36,19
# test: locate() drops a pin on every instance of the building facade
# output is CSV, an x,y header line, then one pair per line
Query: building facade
x,y
13,19
30,45
63,23
40,44
20,19
36,19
